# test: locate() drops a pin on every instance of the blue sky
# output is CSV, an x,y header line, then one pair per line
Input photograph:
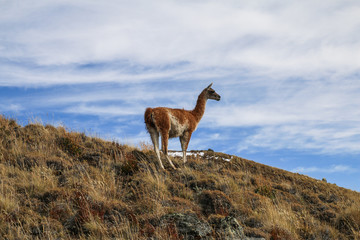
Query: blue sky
x,y
287,71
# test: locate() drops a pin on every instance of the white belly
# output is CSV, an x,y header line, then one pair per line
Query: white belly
x,y
176,129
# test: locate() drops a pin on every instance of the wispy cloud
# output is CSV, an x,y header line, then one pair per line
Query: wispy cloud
x,y
319,115
277,39
330,169
102,110
310,137
11,107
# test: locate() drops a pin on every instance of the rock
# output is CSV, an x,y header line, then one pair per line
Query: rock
x,y
228,228
188,226
254,222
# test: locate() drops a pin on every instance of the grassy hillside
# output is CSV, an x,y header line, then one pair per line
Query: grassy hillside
x,y
56,184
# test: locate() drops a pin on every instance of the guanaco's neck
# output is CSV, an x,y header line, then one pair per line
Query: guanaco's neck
x,y
199,109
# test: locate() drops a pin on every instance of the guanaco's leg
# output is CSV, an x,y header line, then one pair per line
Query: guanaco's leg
x,y
164,142
184,140
155,140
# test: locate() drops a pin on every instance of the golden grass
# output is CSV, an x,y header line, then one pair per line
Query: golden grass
x,y
58,184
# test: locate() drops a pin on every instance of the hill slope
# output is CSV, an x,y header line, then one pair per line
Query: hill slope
x,y
60,184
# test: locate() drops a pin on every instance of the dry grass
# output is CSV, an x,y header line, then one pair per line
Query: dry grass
x,y
58,184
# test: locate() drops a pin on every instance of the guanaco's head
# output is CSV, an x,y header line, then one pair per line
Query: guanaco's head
x,y
211,94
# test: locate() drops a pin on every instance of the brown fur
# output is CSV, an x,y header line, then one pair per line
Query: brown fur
x,y
169,123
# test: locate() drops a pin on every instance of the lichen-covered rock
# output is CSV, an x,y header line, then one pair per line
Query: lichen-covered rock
x,y
227,228
188,226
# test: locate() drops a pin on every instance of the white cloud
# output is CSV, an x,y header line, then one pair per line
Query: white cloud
x,y
103,110
294,38
311,137
11,107
128,95
321,116
330,169
45,76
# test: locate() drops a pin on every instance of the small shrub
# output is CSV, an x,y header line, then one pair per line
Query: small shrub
x,y
349,223
60,211
310,197
145,146
328,198
70,146
28,161
296,207
49,197
93,159
278,233
128,167
266,191
202,184
215,202
148,230
252,200
325,214
176,205
180,190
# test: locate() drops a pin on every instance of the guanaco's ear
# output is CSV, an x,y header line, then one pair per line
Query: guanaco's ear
x,y
209,86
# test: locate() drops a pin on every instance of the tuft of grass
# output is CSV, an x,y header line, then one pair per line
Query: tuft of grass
x,y
266,191
70,144
349,222
9,205
145,146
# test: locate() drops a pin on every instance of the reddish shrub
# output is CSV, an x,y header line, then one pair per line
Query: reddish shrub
x,y
278,233
215,202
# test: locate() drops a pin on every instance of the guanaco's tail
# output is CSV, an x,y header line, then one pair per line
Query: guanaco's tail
x,y
148,118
